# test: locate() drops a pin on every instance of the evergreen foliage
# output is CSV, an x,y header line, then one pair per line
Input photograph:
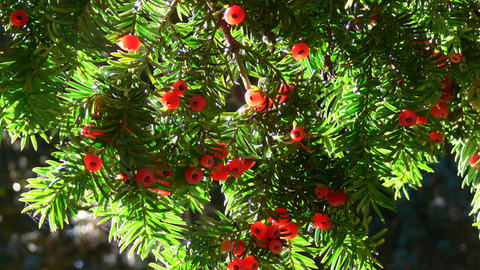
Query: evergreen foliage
x,y
368,61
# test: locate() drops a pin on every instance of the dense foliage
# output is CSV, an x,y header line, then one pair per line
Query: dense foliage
x,y
66,76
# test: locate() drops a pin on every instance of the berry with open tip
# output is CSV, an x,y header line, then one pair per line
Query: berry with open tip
x,y
178,87
93,162
254,98
297,134
440,109
145,176
436,137
300,51
193,175
226,245
456,57
474,159
250,263
407,118
238,249
248,163
130,43
273,231
235,166
206,161
170,100
19,17
275,246
234,15
337,198
322,221
236,264
421,120
197,103
258,229
322,192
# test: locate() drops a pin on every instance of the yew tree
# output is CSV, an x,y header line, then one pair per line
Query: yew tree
x,y
346,104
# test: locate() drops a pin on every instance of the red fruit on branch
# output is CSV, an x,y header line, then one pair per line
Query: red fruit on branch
x,y
265,106
236,264
297,134
224,150
290,229
19,17
197,103
250,263
161,192
254,98
440,109
337,198
300,51
263,243
206,161
258,229
456,57
436,137
221,175
91,133
93,162
170,100
473,160
238,249
235,166
129,43
273,231
193,175
234,15
421,120
284,92
322,221
248,163
275,246
322,192
226,245
178,87
407,118
281,215
145,176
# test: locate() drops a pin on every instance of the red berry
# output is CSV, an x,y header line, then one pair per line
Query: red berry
x,y
170,100
221,175
447,82
474,159
281,215
275,246
197,103
322,221
236,264
297,134
145,176
263,243
19,17
250,263
322,192
129,43
224,150
206,161
226,245
436,137
300,51
234,15
93,162
290,229
248,163
285,91
407,118
238,250
178,87
193,177
421,120
254,98
265,106
235,167
440,109
273,231
164,173
337,198
456,57
91,133
258,229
